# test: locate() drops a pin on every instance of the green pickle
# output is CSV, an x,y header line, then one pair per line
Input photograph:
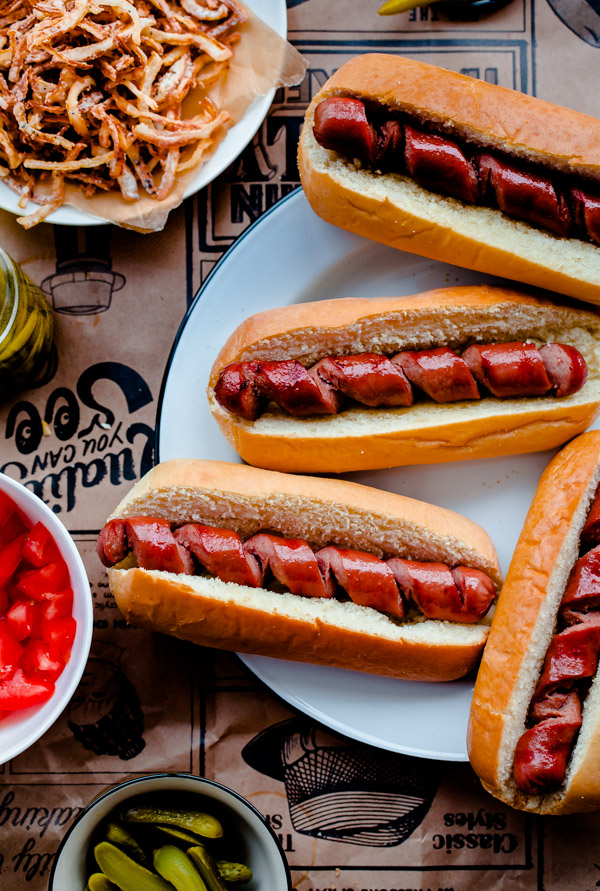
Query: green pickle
x,y
125,872
176,867
118,835
207,868
179,834
26,328
99,882
194,821
234,872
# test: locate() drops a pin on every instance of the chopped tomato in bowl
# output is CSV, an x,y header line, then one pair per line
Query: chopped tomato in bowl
x,y
45,618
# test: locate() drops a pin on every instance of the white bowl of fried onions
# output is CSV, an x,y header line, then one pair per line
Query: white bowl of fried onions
x,y
91,94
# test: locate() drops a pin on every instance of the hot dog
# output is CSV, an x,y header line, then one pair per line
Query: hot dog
x,y
457,169
302,568
533,730
457,373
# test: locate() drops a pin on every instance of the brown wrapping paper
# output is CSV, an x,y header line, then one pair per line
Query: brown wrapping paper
x,y
149,703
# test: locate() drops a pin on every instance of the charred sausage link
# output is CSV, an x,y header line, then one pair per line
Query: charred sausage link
x,y
456,595
542,752
440,373
471,175
525,195
506,370
438,164
150,540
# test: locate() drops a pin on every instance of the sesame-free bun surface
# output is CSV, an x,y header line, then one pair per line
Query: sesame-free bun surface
x,y
361,438
523,626
393,209
329,632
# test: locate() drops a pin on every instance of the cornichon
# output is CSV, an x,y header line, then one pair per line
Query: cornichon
x,y
118,835
99,882
207,868
125,872
195,821
176,867
181,834
234,872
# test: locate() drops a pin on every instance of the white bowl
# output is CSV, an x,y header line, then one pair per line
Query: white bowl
x,y
23,727
256,843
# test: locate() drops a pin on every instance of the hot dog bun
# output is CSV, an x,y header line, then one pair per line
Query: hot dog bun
x,y
394,210
213,613
363,438
523,626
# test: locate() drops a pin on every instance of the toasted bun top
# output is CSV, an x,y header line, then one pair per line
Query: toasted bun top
x,y
452,316
320,511
523,626
488,114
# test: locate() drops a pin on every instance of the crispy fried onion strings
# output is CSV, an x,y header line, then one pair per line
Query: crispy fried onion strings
x,y
91,93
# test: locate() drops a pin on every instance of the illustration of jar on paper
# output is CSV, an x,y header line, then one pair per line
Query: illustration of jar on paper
x,y
105,714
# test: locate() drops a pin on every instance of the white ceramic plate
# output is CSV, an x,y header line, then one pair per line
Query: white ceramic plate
x,y
274,13
291,256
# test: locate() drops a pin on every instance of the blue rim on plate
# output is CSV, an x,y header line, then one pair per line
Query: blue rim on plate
x,y
167,775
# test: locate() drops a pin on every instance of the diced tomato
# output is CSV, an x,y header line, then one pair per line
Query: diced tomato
x,y
40,548
40,658
37,628
55,606
60,633
40,583
20,619
7,508
10,557
20,691
15,526
10,651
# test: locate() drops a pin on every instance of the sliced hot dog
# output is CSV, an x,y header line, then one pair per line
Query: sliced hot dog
x,y
154,547
292,563
369,378
440,373
508,369
341,125
457,595
587,212
572,656
238,392
542,751
389,142
583,589
291,386
590,534
112,544
220,552
523,194
366,579
565,366
438,164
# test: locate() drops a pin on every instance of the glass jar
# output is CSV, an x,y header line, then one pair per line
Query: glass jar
x,y
26,329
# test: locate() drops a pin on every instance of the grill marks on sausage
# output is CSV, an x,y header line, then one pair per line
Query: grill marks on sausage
x,y
565,206
542,752
460,595
506,370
